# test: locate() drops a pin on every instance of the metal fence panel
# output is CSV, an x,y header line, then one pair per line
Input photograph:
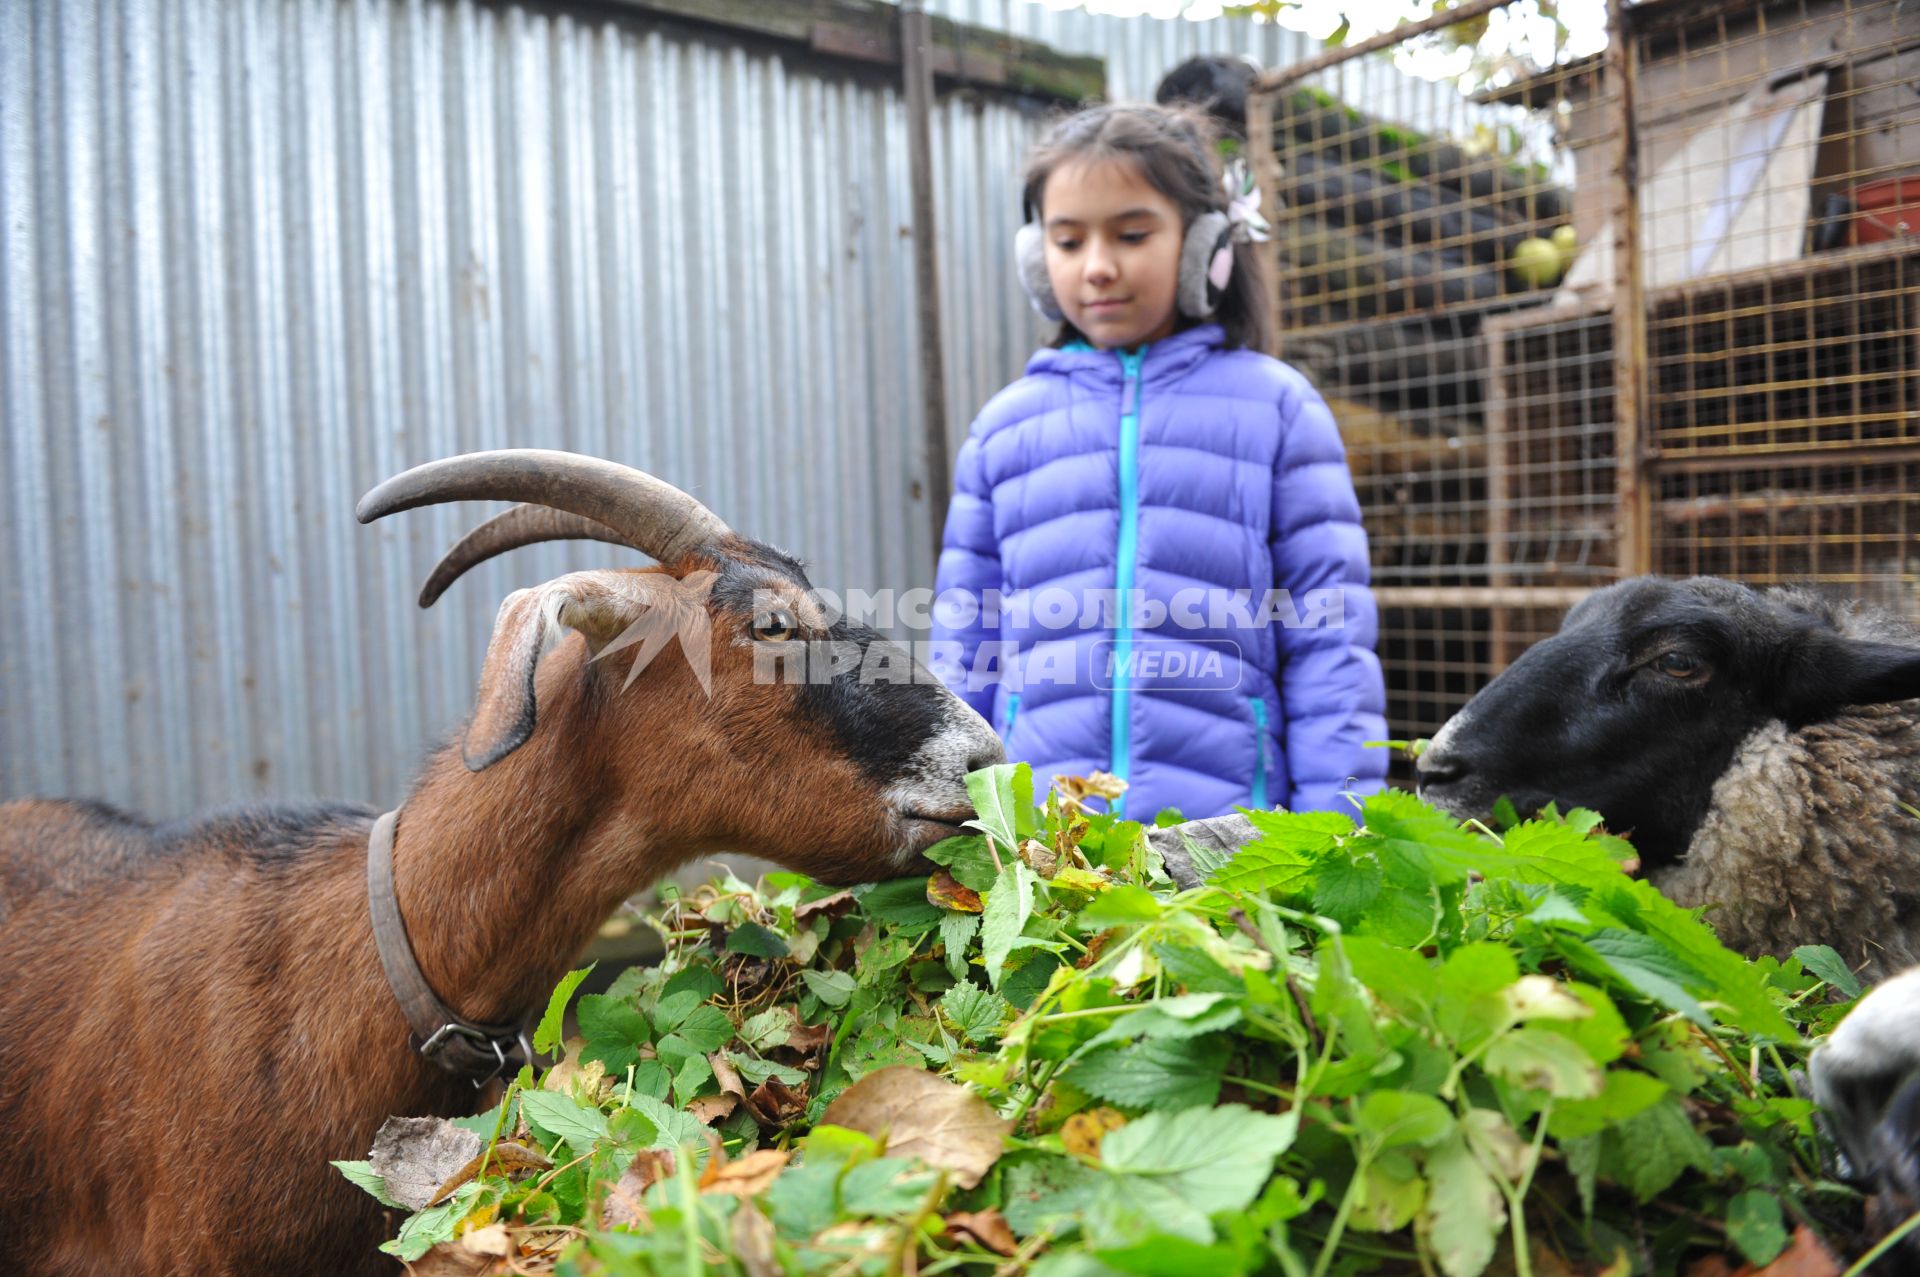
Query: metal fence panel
x,y
256,256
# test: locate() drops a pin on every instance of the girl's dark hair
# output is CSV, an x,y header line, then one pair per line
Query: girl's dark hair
x,y
1172,148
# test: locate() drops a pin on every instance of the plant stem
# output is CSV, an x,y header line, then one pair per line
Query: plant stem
x,y
1339,1226
690,1216
1887,1243
1034,1093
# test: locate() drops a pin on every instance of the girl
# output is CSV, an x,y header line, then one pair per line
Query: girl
x,y
1153,562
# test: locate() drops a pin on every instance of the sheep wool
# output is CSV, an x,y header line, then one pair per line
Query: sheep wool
x,y
1806,841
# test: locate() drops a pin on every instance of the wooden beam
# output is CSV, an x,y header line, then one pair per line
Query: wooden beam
x,y
867,32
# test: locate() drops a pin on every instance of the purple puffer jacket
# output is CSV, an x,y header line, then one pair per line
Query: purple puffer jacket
x,y
1192,481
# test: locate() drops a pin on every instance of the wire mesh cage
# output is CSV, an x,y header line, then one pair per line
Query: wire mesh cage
x,y
1653,310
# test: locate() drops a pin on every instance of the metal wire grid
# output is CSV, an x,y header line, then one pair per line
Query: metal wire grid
x,y
1783,383
1770,420
1394,261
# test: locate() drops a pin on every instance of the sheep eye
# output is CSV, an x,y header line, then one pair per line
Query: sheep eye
x,y
776,626
1677,665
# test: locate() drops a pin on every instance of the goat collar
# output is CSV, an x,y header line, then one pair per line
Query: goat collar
x,y
478,1052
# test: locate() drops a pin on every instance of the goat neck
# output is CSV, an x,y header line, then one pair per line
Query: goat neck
x,y
504,875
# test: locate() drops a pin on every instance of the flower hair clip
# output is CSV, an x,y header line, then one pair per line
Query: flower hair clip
x,y
1243,204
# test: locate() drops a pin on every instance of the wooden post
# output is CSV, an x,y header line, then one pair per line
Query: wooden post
x,y
916,37
1633,506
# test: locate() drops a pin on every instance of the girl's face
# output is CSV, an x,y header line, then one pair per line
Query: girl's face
x,y
1113,251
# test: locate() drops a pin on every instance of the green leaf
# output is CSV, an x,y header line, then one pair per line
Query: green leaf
x,y
885,1186
758,1071
701,981
362,1173
767,1030
1644,965
1215,1159
1344,887
614,1031
1648,1151
967,858
1392,1118
755,941
900,903
1542,1060
1119,906
1282,861
1754,1224
1623,1094
675,1128
975,1013
1185,1016
426,1229
1042,1191
1009,905
1030,979
578,1124
1003,800
957,931
1156,1073
694,1073
546,1036
1828,965
831,987
1465,1211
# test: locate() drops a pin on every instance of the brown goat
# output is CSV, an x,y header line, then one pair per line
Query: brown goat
x,y
197,1016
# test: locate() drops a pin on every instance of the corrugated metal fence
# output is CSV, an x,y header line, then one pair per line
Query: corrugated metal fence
x,y
255,257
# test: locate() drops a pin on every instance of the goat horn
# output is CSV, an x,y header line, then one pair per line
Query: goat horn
x,y
522,525
636,509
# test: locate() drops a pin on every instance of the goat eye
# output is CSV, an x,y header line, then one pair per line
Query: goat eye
x,y
1677,665
776,626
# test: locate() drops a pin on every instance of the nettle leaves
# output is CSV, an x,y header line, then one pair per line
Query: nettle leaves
x,y
1381,1042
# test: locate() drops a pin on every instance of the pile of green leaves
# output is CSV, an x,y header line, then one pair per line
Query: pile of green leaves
x,y
1396,1045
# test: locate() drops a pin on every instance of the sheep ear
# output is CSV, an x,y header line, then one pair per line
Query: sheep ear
x,y
1830,673
599,605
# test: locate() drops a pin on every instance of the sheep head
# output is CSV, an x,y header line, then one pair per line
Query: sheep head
x,y
711,697
1637,706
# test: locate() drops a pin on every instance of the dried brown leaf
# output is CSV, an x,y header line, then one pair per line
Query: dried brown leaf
x,y
947,892
416,1155
509,1158
726,1075
745,1177
1805,1256
453,1259
1041,858
1083,1132
809,1039
752,1235
925,1116
622,1209
713,1108
832,906
775,1103
491,1240
987,1228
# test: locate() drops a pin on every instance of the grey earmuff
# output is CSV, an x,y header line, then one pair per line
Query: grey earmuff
x,y
1206,264
1030,253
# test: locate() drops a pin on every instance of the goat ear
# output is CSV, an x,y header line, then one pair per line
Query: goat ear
x,y
1829,673
597,604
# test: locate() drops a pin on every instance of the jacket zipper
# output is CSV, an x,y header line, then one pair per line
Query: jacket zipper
x,y
1259,704
1123,565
